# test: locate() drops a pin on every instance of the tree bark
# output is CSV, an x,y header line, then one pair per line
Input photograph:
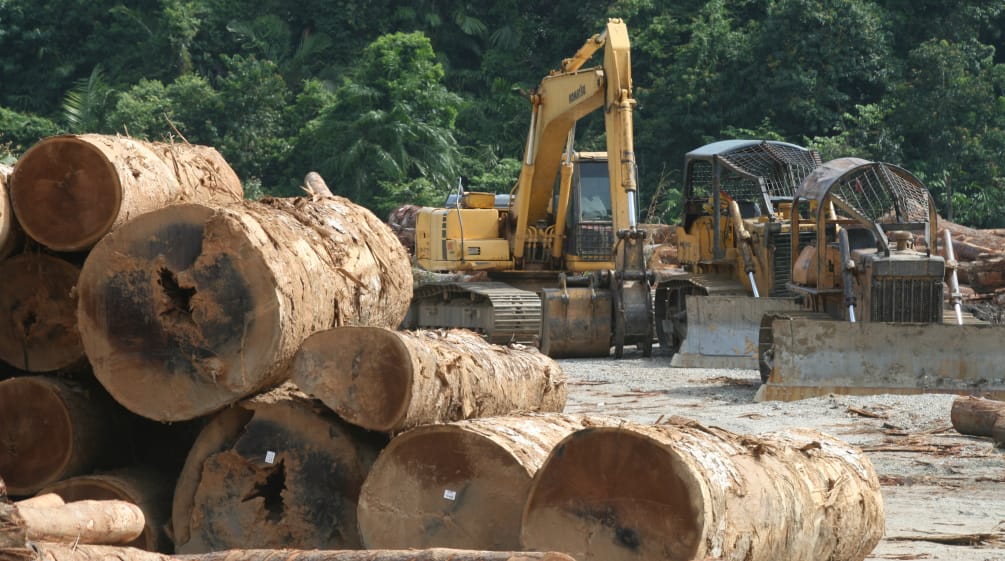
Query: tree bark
x,y
51,429
92,522
681,491
43,499
68,191
977,416
55,552
984,274
208,305
274,471
461,484
39,332
388,380
148,489
11,235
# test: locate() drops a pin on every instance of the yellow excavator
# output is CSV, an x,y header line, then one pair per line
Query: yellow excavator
x,y
733,244
872,318
565,258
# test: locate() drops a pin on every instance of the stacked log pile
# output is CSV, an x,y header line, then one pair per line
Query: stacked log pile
x,y
981,270
165,314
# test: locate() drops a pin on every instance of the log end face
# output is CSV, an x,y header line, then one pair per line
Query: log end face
x,y
65,193
610,494
176,300
363,373
41,335
36,435
443,486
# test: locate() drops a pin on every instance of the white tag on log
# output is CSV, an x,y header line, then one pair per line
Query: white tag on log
x,y
270,457
449,495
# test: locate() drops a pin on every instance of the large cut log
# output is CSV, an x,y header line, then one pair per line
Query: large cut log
x,y
38,331
979,417
94,522
68,191
11,235
190,308
51,429
59,552
681,491
149,489
388,380
984,274
274,471
461,484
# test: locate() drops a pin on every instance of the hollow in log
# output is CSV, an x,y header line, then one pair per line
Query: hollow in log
x,y
150,490
274,471
461,484
11,235
388,380
38,332
191,308
68,191
51,429
94,522
58,552
684,491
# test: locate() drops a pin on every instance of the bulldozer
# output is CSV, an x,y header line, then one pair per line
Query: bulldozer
x,y
733,246
872,290
564,259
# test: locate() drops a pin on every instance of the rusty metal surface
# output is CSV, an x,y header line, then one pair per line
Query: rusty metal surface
x,y
818,357
722,331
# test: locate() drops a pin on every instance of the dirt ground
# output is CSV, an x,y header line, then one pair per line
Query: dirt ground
x,y
943,492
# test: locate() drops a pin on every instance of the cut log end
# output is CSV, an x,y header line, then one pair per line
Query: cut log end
x,y
187,309
441,487
32,412
363,373
65,193
608,494
41,335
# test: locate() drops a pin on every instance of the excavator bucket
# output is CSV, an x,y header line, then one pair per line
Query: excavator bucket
x,y
812,357
722,331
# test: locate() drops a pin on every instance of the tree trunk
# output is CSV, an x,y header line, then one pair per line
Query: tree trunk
x,y
148,489
11,235
462,484
274,471
391,380
69,191
38,332
51,429
93,522
979,417
55,552
682,491
191,308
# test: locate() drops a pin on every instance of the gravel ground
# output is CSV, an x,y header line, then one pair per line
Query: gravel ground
x,y
944,493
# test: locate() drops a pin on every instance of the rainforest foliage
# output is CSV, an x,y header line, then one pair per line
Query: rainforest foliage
x,y
393,102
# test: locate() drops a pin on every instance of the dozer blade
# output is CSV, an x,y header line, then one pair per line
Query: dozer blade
x,y
814,357
722,331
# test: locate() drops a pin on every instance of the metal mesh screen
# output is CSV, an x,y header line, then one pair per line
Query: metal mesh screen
x,y
884,194
781,168
594,241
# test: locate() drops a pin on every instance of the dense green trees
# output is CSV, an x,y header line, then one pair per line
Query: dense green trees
x,y
394,101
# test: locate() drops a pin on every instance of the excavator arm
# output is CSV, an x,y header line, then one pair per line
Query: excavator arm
x,y
564,97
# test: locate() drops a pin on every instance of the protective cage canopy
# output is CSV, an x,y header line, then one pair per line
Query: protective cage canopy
x,y
871,193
